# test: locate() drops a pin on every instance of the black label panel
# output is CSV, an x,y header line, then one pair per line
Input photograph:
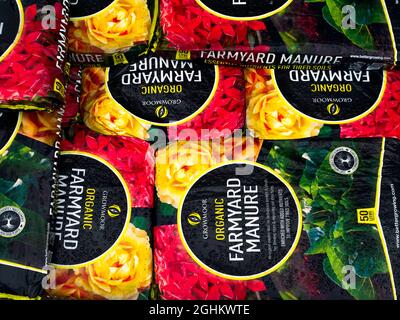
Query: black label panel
x,y
332,96
163,91
84,8
240,221
243,9
92,209
9,125
11,24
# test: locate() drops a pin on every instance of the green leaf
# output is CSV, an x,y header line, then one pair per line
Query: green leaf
x,y
334,268
365,264
328,18
313,158
144,295
318,218
5,186
318,241
330,186
369,12
5,201
166,209
325,132
141,223
364,289
287,295
330,272
360,35
16,191
291,43
20,160
346,203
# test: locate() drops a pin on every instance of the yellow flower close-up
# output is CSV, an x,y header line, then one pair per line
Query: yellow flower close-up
x,y
121,274
102,114
41,126
237,148
117,28
269,116
180,163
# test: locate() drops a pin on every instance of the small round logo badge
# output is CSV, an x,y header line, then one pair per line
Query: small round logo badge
x,y
114,211
333,109
12,221
194,219
344,160
161,112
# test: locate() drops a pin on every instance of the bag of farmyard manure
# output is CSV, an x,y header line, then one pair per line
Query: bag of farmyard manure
x,y
100,240
27,152
110,32
294,104
281,34
188,99
32,54
299,219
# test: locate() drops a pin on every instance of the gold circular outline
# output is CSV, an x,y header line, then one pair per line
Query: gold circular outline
x,y
93,14
262,16
261,274
128,215
13,135
170,124
359,117
19,33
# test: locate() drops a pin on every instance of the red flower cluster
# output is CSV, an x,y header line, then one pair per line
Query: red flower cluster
x,y
180,278
133,158
29,70
224,114
385,120
187,26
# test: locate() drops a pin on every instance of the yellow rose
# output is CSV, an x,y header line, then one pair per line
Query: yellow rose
x,y
238,148
102,114
105,116
67,286
269,115
178,165
117,28
257,81
121,274
41,126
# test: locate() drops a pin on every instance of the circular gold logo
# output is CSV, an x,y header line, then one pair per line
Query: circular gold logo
x,y
333,109
161,112
114,211
194,219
